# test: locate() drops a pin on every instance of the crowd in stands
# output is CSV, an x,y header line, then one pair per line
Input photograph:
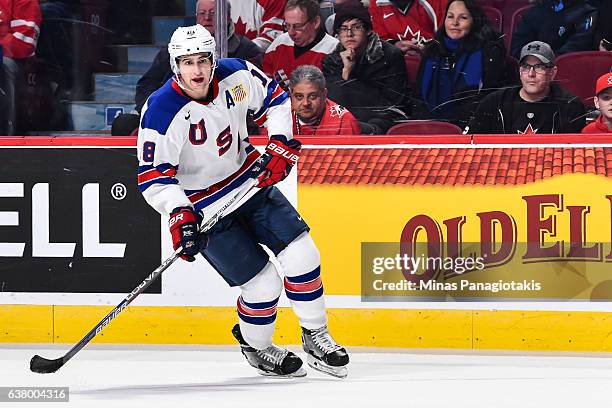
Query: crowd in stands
x,y
350,66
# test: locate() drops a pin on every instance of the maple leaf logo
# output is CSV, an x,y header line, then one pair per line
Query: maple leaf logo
x,y
529,130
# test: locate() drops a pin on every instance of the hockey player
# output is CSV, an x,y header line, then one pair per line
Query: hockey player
x,y
193,151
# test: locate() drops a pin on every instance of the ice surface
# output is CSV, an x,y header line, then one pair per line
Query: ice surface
x,y
186,376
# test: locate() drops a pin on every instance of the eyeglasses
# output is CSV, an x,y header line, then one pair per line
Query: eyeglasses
x,y
358,28
296,27
538,68
206,14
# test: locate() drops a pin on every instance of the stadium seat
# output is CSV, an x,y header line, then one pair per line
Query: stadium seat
x,y
498,4
513,70
517,16
412,69
494,16
424,127
578,72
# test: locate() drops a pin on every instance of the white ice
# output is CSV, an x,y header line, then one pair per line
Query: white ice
x,y
182,376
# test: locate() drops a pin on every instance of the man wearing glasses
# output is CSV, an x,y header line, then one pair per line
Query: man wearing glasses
x,y
538,106
366,74
303,43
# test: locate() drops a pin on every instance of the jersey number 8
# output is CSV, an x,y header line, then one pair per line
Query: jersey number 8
x,y
197,136
148,152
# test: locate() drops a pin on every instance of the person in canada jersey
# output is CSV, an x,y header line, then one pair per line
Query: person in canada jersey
x,y
194,153
407,24
313,113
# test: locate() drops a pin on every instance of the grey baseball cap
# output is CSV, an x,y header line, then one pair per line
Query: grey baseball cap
x,y
540,50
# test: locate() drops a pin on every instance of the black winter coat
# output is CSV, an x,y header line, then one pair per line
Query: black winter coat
x,y
495,75
495,112
375,92
569,30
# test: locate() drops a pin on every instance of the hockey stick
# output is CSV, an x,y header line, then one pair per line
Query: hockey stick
x,y
42,365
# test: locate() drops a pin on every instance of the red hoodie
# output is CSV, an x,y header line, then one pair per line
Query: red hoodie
x,y
19,27
599,126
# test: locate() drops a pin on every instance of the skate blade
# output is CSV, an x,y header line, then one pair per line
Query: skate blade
x,y
338,372
299,373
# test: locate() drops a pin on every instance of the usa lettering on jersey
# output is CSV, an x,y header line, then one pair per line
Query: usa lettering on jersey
x,y
192,153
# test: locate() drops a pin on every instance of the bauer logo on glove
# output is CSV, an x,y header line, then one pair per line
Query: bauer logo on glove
x,y
280,150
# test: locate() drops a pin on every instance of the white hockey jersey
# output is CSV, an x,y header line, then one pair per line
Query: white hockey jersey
x,y
193,153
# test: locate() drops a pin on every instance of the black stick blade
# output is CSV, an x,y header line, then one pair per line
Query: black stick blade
x,y
41,365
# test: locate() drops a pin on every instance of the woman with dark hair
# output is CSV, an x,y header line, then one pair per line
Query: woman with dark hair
x,y
465,59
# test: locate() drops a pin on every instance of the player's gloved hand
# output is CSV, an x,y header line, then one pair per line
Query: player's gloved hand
x,y
276,163
183,223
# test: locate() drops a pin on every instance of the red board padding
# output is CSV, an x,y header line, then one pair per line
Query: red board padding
x,y
571,138
374,140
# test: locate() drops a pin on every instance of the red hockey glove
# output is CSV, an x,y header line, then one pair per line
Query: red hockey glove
x,y
183,225
276,163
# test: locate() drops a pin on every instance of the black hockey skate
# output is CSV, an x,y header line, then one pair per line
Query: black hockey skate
x,y
324,354
273,361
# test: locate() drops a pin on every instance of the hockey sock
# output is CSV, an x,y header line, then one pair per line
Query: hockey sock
x,y
301,265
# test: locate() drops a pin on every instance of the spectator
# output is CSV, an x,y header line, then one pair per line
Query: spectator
x,y
313,113
538,106
305,41
159,72
466,58
566,25
238,46
337,5
364,73
258,20
603,102
19,29
407,23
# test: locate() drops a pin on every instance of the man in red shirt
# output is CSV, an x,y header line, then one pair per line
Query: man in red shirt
x,y
313,113
19,29
407,23
304,43
603,102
